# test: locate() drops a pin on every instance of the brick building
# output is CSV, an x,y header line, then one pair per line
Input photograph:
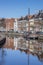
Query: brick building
x,y
9,24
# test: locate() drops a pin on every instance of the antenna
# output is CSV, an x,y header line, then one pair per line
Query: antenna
x,y
28,11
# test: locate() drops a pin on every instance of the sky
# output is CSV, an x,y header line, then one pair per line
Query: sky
x,y
18,8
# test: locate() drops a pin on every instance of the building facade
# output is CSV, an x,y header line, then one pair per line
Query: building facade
x,y
2,25
9,24
36,25
23,25
15,25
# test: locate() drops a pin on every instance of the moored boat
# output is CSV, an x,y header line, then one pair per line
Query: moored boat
x,y
2,41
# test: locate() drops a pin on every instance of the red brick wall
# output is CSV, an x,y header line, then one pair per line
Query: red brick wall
x,y
9,24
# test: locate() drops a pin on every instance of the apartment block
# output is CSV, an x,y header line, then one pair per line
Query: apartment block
x,y
23,25
9,24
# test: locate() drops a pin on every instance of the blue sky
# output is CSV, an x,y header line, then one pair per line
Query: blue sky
x,y
18,8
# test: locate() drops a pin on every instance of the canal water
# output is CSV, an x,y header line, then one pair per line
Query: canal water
x,y
19,51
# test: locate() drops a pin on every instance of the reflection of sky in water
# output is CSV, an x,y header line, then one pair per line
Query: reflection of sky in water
x,y
16,57
12,56
33,60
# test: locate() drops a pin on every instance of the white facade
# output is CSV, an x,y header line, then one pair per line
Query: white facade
x,y
35,25
15,25
23,25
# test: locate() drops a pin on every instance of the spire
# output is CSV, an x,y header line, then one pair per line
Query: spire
x,y
28,11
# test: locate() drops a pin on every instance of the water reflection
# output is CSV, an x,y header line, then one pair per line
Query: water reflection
x,y
9,42
2,55
22,51
21,43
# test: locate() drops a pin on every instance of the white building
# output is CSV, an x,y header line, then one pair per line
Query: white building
x,y
15,25
35,24
23,25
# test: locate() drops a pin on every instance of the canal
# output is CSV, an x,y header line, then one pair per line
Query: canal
x,y
19,51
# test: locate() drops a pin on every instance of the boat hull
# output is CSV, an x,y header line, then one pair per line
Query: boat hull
x,y
2,42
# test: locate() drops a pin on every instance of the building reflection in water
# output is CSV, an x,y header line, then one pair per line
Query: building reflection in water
x,y
34,47
21,43
2,55
9,42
